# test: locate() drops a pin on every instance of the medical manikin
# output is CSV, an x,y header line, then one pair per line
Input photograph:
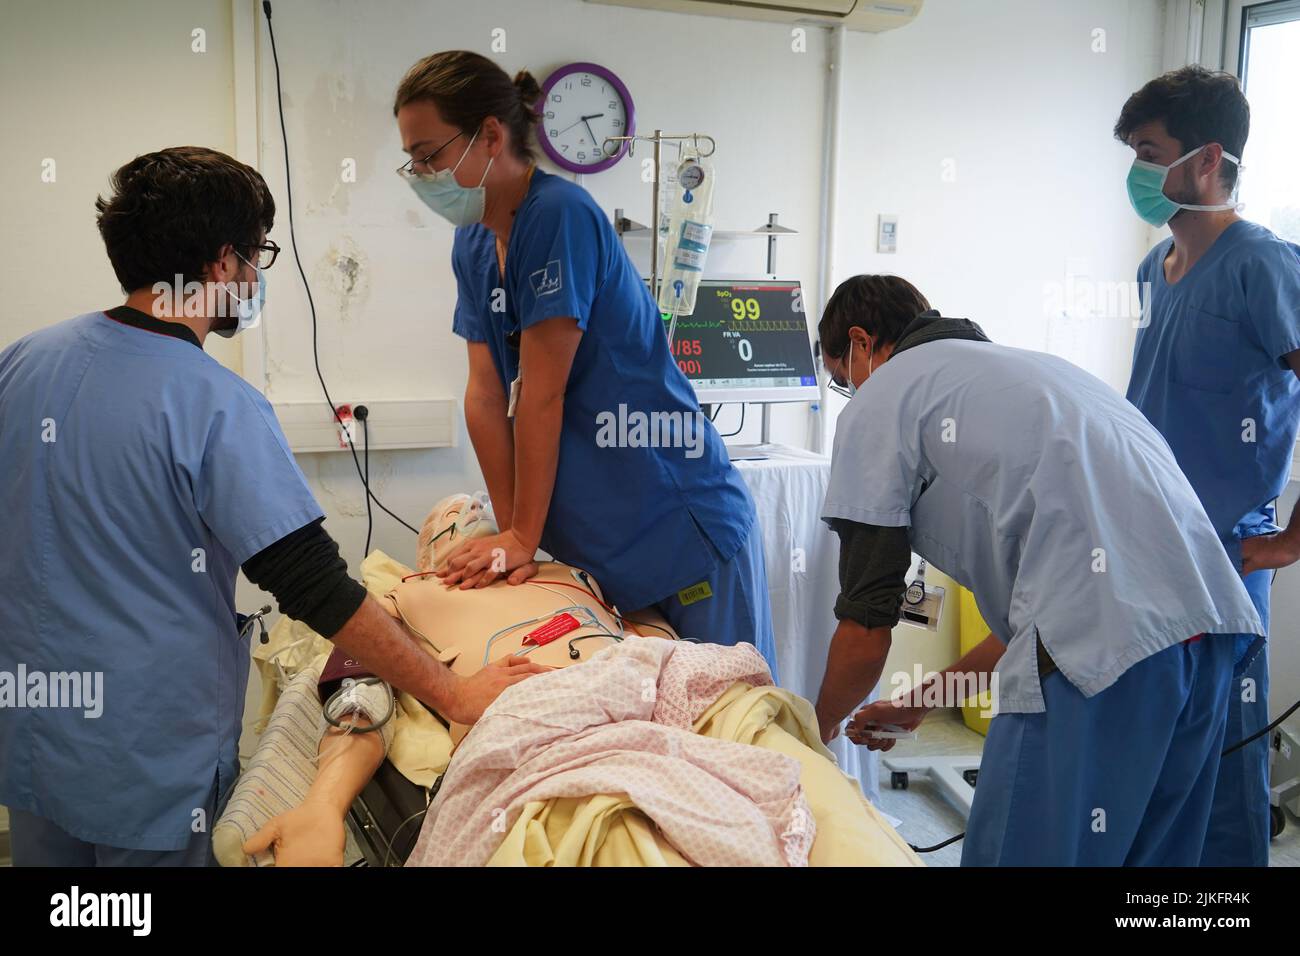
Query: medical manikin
x,y
557,618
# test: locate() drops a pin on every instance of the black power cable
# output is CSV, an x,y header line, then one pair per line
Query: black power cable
x,y
937,846
362,414
739,428
311,304
1271,727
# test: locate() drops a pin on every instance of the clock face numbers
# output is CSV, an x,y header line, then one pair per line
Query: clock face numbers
x,y
581,109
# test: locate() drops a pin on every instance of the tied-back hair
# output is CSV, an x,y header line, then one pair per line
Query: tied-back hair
x,y
467,88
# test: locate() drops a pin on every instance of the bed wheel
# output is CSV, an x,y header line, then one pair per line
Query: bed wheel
x,y
970,776
1276,822
898,779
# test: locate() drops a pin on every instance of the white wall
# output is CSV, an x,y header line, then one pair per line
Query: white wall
x,y
90,86
986,128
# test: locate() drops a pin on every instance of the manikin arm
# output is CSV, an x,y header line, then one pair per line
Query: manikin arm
x,y
311,834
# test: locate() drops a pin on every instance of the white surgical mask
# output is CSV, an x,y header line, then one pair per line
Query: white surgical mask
x,y
849,389
459,205
248,310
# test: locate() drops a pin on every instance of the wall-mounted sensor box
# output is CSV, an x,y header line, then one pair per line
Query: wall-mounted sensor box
x,y
401,423
886,233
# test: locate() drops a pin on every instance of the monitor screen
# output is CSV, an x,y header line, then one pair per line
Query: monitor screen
x,y
747,341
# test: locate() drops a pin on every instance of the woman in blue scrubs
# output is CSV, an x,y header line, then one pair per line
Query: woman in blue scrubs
x,y
563,337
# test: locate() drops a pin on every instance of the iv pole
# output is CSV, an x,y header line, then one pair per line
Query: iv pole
x,y
772,230
658,139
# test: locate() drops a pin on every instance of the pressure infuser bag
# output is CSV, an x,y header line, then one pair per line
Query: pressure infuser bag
x,y
690,228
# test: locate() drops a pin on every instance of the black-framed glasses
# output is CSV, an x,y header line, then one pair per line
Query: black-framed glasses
x,y
264,255
408,170
836,384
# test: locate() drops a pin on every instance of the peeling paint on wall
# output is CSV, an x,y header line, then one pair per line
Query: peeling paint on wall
x,y
343,126
344,272
340,489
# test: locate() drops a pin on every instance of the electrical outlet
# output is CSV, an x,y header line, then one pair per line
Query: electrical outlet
x,y
347,426
393,424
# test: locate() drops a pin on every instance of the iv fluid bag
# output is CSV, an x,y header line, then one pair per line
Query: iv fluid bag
x,y
690,228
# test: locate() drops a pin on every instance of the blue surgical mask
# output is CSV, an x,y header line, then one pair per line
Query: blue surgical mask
x,y
249,310
459,205
1146,190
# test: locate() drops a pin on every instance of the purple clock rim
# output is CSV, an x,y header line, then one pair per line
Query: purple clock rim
x,y
607,75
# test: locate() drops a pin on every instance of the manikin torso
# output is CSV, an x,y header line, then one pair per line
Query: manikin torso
x,y
467,629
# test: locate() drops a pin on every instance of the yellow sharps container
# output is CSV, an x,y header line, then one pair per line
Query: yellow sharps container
x,y
973,631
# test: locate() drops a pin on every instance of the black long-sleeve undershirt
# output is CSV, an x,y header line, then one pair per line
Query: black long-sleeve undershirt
x,y
308,578
873,572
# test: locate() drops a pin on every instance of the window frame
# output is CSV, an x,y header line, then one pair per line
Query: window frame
x,y
1242,15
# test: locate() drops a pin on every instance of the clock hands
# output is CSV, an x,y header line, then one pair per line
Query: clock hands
x,y
591,133
582,119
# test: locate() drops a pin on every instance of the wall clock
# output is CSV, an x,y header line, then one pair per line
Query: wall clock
x,y
581,104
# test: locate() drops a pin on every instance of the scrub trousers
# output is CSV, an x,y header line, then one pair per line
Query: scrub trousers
x,y
1122,778
737,610
1239,818
36,841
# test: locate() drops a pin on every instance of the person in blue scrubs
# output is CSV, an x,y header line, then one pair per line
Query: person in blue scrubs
x,y
139,476
567,353
1108,596
1216,368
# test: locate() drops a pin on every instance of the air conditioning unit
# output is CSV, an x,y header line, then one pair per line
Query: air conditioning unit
x,y
871,16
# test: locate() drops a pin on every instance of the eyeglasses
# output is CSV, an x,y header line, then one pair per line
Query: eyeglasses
x,y
835,384
408,169
264,256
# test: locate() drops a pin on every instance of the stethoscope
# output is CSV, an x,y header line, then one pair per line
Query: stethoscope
x,y
245,623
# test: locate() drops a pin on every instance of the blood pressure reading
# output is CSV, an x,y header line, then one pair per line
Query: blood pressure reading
x,y
745,335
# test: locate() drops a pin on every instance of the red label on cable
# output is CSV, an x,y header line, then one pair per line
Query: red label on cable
x,y
557,626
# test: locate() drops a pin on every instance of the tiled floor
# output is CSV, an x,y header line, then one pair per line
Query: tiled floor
x,y
928,818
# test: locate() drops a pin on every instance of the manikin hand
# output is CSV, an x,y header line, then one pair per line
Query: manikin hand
x,y
483,560
310,834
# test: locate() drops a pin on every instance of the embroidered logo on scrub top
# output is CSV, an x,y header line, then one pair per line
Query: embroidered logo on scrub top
x,y
696,592
546,281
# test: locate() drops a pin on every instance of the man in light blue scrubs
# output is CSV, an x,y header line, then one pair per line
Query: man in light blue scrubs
x,y
139,475
1108,596
590,438
1215,369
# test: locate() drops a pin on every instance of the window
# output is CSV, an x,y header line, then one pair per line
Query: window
x,y
1268,62
1262,46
